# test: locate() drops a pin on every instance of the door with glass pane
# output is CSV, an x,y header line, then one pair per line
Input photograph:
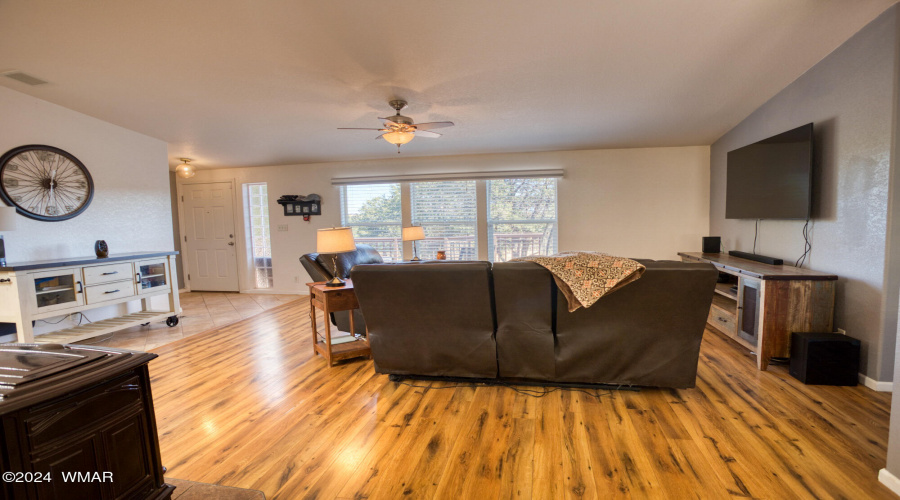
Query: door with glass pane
x,y
152,275
57,289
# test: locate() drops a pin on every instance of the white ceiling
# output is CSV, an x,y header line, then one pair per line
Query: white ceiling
x,y
244,83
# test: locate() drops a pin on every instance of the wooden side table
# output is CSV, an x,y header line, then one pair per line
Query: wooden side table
x,y
329,300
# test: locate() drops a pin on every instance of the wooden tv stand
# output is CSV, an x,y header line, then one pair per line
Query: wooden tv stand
x,y
759,305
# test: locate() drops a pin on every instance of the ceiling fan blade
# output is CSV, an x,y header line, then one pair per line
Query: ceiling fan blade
x,y
425,133
355,128
431,125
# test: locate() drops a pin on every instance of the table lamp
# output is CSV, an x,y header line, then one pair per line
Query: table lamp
x,y
413,234
335,240
7,223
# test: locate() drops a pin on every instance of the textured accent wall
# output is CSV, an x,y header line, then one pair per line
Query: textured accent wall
x,y
131,208
849,96
893,451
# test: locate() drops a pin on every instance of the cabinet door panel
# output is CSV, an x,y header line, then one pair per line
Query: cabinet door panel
x,y
748,322
77,457
125,448
153,275
79,414
58,289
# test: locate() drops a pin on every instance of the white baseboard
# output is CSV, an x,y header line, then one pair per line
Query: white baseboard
x,y
274,291
876,385
184,290
889,480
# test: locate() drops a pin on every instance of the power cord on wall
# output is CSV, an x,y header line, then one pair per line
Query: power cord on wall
x,y
807,246
755,234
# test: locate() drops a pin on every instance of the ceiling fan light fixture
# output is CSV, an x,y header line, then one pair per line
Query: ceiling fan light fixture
x,y
398,137
185,170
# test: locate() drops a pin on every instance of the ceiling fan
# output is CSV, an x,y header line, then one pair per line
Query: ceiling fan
x,y
399,129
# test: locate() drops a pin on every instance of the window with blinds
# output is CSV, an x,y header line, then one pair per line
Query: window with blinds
x,y
373,211
447,211
521,218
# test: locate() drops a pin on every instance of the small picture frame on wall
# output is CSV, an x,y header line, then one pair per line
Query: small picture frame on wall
x,y
295,207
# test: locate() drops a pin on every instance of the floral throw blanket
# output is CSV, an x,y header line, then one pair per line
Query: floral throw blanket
x,y
584,277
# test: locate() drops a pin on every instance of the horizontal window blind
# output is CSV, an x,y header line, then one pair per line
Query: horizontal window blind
x,y
451,176
447,212
373,212
521,218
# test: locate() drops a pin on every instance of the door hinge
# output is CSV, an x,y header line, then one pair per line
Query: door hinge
x,y
189,276
185,239
182,198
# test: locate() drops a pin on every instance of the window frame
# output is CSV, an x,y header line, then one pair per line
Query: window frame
x,y
555,221
482,220
250,237
473,223
345,215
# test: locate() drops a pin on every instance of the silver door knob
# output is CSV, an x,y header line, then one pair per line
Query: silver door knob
x,y
231,243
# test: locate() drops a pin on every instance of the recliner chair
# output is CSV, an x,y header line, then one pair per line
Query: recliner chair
x,y
321,267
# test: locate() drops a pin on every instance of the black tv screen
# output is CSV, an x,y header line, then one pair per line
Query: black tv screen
x,y
771,179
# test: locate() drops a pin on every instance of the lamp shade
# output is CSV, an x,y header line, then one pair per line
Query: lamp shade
x,y
7,218
413,233
335,240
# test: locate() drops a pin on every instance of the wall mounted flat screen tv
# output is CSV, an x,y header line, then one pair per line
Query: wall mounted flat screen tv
x,y
772,178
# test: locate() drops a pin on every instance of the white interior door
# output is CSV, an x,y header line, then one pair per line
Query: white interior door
x,y
209,227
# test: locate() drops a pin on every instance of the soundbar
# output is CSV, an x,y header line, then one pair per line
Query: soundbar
x,y
758,258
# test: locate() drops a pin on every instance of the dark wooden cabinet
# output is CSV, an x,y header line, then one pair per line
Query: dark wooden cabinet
x,y
81,416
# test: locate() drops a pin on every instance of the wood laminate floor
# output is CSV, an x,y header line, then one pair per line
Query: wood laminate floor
x,y
248,405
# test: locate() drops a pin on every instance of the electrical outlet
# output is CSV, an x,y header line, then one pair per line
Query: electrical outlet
x,y
841,331
282,227
296,279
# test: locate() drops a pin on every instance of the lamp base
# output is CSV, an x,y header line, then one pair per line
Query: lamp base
x,y
415,259
336,282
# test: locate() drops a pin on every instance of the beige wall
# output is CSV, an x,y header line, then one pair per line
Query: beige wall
x,y
131,206
651,202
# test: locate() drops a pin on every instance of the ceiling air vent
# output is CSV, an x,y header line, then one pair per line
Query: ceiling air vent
x,y
24,78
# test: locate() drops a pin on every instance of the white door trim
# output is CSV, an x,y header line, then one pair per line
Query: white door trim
x,y
240,251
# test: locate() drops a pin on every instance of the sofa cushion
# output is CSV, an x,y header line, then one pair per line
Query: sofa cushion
x,y
525,298
648,333
429,318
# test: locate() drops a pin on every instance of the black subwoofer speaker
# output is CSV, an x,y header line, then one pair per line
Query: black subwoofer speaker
x,y
712,244
824,359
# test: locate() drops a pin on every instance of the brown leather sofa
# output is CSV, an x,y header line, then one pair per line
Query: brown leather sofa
x,y
509,321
